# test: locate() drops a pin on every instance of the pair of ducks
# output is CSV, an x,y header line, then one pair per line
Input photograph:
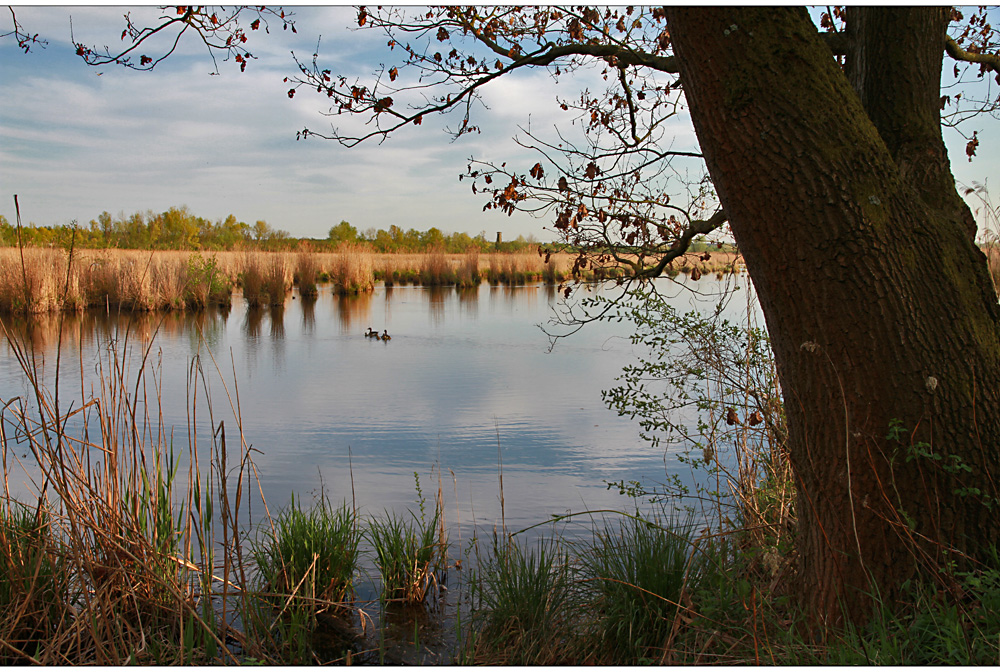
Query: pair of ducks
x,y
371,333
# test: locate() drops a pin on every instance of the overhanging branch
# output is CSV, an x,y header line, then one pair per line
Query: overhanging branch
x,y
990,61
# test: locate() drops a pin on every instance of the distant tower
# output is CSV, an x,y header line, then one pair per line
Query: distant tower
x,y
499,239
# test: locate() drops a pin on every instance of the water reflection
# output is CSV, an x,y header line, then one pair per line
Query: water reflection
x,y
466,370
252,322
308,315
354,312
468,300
436,304
79,331
277,315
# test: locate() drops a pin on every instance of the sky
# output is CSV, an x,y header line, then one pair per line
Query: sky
x,y
77,140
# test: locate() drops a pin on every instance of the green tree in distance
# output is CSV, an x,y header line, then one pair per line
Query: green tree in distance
x,y
342,233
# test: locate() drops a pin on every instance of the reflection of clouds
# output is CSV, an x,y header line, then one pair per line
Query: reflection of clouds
x,y
442,389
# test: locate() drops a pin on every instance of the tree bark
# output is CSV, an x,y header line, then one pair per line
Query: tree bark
x,y
877,301
894,65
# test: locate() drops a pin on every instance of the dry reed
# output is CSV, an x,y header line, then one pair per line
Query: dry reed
x,y
277,279
103,567
306,273
353,270
993,261
435,269
135,280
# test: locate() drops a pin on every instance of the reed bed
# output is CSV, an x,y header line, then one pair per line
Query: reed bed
x,y
47,280
130,280
103,567
352,270
307,273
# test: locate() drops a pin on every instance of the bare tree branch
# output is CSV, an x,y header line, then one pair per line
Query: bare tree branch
x,y
25,40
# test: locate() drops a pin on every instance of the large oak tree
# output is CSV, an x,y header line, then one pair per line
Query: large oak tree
x,y
825,152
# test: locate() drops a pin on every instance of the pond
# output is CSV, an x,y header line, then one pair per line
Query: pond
x,y
467,389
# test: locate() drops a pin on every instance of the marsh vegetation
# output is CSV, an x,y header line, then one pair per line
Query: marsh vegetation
x,y
36,280
126,513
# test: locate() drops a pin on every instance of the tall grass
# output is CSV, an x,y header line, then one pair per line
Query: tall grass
x,y
311,555
135,280
411,551
526,606
265,279
638,572
468,274
993,261
277,280
353,270
107,532
435,269
34,581
306,273
251,278
48,281
306,564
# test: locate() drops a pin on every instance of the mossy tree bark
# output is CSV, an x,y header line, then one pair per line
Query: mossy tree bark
x,y
879,306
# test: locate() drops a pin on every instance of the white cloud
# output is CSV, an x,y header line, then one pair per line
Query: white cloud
x,y
74,143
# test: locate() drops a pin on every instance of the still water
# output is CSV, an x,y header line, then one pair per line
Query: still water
x,y
466,387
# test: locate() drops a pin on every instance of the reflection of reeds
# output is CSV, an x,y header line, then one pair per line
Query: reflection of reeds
x,y
354,311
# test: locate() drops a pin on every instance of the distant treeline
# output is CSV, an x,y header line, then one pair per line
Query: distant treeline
x,y
180,229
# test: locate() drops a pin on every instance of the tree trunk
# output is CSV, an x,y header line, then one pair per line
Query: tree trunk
x,y
878,303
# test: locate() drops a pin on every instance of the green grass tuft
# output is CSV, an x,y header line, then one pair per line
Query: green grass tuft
x,y
637,572
311,555
525,612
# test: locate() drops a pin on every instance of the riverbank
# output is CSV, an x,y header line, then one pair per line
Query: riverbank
x,y
40,280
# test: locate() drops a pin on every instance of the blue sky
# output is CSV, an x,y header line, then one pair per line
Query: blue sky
x,y
77,140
